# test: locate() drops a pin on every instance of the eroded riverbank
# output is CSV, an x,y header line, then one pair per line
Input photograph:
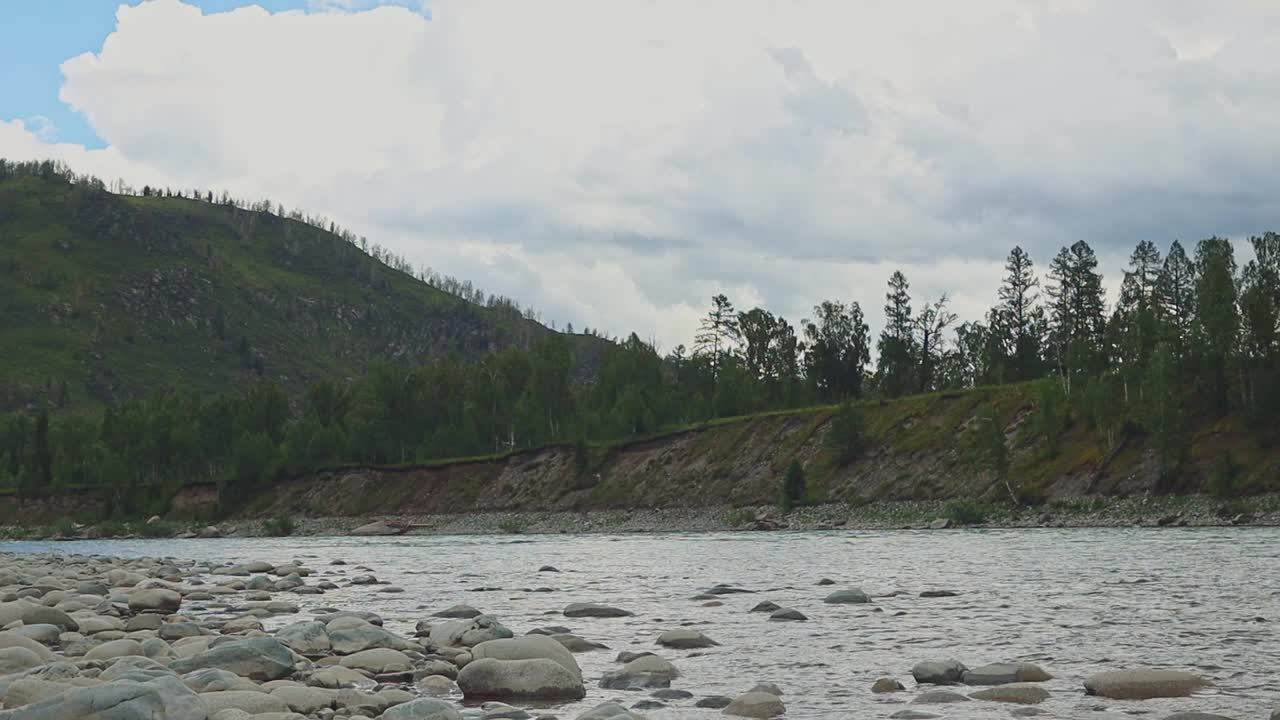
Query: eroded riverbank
x,y
1074,603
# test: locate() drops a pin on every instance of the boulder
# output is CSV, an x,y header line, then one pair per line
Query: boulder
x,y
305,700
377,528
437,685
788,615
259,658
338,677
115,649
852,596
527,647
594,610
164,697
756,705
464,612
1019,693
766,606
1004,673
11,639
14,660
250,701
423,709
938,697
154,600
378,661
309,639
575,644
887,685
27,690
713,702
1144,684
768,687
535,679
642,673
938,672
215,680
355,635
468,633
684,639
43,633
938,593
30,613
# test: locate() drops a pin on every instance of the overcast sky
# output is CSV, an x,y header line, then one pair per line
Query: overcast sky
x,y
614,163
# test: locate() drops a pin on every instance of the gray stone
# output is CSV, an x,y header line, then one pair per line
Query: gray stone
x,y
684,639
464,612
250,701
609,711
17,659
575,644
1144,684
713,702
43,633
788,615
305,700
1004,673
756,705
114,649
852,596
377,528
259,658
527,647
309,639
536,679
594,610
938,672
1019,693
938,697
766,606
423,709
35,614
154,600
887,685
468,633
642,673
354,635
378,661
163,697
215,680
913,715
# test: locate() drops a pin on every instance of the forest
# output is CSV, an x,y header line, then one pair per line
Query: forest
x,y
1192,334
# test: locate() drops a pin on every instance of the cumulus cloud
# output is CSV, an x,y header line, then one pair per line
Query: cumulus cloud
x,y
614,164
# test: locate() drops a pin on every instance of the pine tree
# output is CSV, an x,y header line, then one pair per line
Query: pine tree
x,y
896,363
1020,317
1078,307
932,322
718,332
1216,319
1176,297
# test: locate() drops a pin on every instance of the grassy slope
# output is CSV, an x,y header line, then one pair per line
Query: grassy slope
x,y
120,296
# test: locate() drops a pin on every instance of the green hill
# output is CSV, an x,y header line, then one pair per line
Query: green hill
x,y
105,297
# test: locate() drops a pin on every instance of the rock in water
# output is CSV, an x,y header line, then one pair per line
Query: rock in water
x,y
1020,693
852,596
1004,673
463,612
376,529
766,606
1144,684
609,711
939,672
938,697
683,639
756,705
594,610
537,679
642,673
788,614
887,685
527,647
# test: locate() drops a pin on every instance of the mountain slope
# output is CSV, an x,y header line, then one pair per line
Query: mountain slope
x,y
104,297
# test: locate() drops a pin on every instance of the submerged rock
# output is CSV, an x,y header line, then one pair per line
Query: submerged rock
x,y
1004,673
683,639
938,672
1020,693
1144,684
594,610
756,705
887,685
852,596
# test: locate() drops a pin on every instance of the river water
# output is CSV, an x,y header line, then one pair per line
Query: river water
x,y
1073,601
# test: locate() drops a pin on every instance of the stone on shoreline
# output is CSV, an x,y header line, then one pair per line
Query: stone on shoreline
x,y
260,658
376,529
594,610
938,672
756,705
534,679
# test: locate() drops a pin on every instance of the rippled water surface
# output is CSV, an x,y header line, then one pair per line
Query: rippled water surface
x,y
1073,601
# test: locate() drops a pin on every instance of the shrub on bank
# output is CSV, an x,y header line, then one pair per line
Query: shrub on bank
x,y
282,526
965,512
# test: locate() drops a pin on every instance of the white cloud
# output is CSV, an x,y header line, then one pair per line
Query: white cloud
x,y
615,163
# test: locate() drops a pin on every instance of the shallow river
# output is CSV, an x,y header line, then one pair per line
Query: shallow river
x,y
1073,601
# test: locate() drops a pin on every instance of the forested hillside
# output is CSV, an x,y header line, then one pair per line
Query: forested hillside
x,y
106,297
1178,384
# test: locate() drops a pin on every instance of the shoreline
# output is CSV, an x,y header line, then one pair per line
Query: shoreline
x,y
1163,511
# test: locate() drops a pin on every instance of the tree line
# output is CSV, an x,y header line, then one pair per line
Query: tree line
x,y
1190,335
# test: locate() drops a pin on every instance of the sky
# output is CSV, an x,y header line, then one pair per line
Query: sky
x,y
615,164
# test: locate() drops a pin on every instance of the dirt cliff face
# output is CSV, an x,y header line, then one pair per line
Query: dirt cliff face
x,y
920,448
